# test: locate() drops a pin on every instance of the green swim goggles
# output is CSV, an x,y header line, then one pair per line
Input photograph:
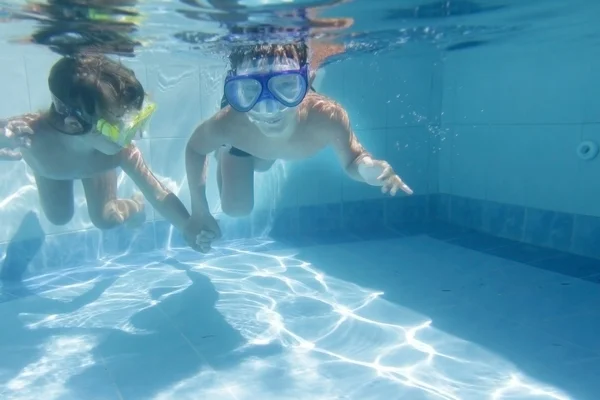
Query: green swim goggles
x,y
121,133
129,125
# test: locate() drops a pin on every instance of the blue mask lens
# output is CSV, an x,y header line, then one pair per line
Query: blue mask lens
x,y
243,94
288,89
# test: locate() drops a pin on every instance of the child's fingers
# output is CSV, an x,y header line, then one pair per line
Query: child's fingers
x,y
10,155
26,130
384,174
19,128
405,188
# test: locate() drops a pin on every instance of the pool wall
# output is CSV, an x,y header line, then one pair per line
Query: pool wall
x,y
513,120
487,143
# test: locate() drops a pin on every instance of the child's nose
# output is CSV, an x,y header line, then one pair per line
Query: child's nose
x,y
269,106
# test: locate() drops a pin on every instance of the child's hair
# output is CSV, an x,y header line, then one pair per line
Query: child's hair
x,y
297,51
87,80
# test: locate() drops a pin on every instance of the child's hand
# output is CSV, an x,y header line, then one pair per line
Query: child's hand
x,y
14,134
380,173
200,232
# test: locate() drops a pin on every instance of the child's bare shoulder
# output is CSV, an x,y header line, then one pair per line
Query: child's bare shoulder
x,y
213,130
322,109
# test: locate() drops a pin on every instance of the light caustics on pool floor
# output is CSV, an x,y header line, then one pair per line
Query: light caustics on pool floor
x,y
338,340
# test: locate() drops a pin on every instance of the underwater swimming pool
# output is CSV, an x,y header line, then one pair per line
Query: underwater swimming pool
x,y
357,319
483,284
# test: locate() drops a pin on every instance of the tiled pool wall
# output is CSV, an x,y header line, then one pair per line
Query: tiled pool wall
x,y
563,242
433,140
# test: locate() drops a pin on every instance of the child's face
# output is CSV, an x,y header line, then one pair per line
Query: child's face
x,y
269,115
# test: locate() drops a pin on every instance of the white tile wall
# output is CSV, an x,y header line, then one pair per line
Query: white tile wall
x,y
514,121
491,86
587,197
176,91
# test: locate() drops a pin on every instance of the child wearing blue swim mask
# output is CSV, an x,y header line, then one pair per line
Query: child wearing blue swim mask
x,y
271,113
98,107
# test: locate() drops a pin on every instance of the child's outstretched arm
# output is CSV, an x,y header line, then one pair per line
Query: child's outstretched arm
x,y
355,159
162,199
202,142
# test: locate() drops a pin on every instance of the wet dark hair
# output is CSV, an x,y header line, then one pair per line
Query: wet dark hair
x,y
86,80
297,51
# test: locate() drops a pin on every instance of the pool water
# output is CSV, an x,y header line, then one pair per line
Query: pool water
x,y
478,104
439,316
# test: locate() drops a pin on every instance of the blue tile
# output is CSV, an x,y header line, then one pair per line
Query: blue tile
x,y
581,330
94,382
254,244
580,378
18,258
5,295
571,265
439,207
133,241
524,253
176,238
406,212
480,241
549,229
363,215
66,249
433,205
445,231
261,222
466,212
236,228
592,279
142,240
504,220
286,222
317,238
379,234
332,237
287,241
586,236
161,233
320,218
92,244
171,360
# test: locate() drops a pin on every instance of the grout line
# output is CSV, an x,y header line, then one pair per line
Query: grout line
x,y
110,374
185,338
525,226
27,84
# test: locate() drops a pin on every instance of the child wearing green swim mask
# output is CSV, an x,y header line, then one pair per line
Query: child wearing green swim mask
x,y
98,106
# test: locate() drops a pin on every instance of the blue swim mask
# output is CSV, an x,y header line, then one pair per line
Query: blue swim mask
x,y
288,87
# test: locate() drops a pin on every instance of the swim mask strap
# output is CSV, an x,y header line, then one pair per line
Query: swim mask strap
x,y
65,111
